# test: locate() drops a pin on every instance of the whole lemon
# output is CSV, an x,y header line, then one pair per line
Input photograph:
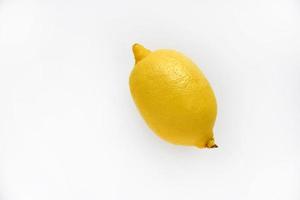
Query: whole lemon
x,y
174,97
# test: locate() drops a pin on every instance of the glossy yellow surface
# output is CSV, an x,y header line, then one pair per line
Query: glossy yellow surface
x,y
174,97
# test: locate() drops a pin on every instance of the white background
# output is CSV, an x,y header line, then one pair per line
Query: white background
x,y
69,129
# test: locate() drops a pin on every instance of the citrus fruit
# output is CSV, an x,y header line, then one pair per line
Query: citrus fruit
x,y
174,97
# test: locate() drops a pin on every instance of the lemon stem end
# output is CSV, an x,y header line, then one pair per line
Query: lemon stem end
x,y
211,144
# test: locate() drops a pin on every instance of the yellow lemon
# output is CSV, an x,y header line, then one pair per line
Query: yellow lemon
x,y
174,97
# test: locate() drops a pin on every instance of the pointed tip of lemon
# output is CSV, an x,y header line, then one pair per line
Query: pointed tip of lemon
x,y
139,52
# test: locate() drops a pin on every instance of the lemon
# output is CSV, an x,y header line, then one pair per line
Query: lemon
x,y
174,97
